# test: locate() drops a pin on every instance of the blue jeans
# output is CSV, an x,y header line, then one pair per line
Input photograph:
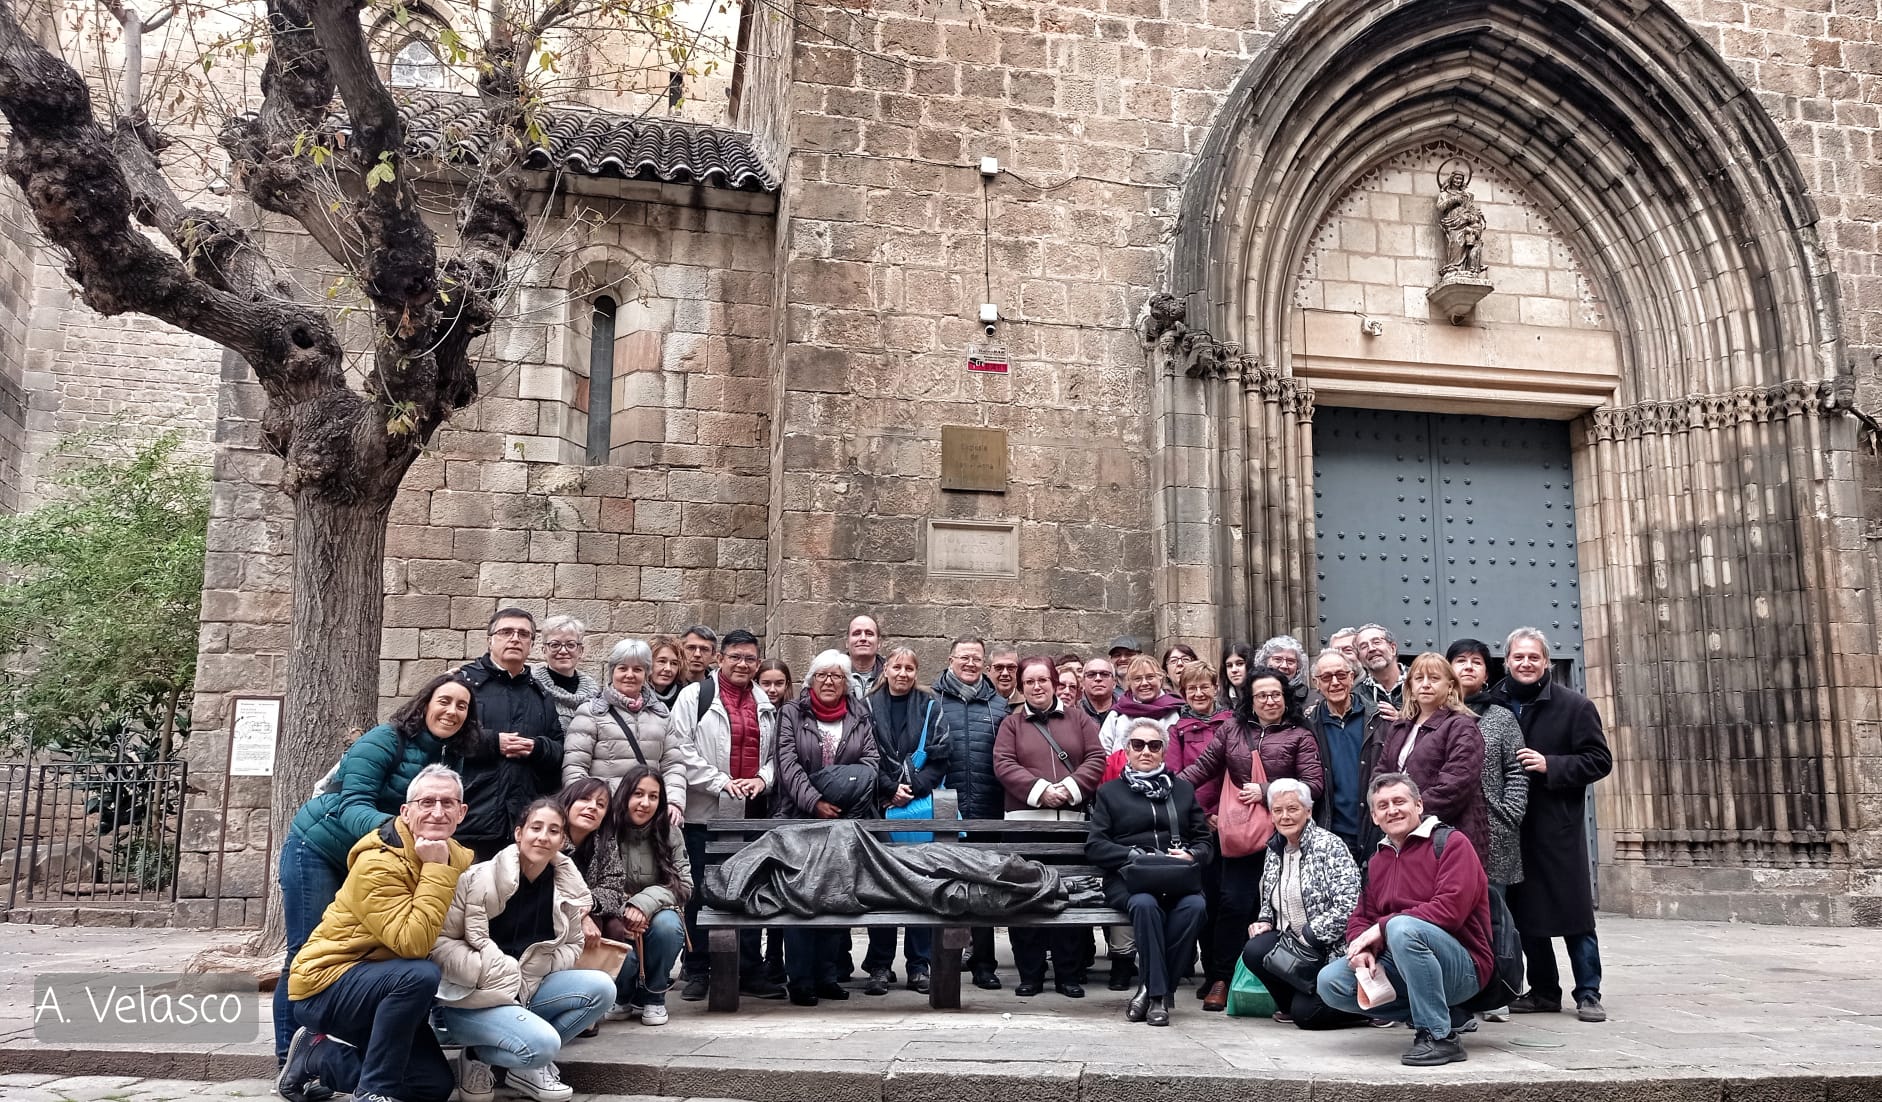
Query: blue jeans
x,y
917,948
665,936
529,1036
1545,978
381,1009
308,883
1431,971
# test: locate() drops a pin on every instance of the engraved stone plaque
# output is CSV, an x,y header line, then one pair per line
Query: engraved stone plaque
x,y
973,549
973,459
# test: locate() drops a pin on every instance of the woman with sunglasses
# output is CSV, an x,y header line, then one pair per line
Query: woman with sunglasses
x,y
1268,724
1148,810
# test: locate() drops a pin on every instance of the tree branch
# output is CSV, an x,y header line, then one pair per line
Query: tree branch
x,y
77,187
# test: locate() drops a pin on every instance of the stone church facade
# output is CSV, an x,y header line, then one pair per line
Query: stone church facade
x,y
1234,405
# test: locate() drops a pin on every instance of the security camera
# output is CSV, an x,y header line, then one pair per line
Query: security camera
x,y
990,328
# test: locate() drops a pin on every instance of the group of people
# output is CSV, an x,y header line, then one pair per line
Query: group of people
x,y
458,877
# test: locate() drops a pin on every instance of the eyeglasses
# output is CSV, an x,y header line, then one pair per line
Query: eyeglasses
x,y
1337,676
513,633
1099,675
563,644
436,803
742,659
1269,697
1141,744
1006,667
828,675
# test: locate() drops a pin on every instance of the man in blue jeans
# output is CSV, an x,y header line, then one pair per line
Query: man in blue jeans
x,y
362,986
1423,922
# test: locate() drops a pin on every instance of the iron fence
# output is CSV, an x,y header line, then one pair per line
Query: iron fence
x,y
91,833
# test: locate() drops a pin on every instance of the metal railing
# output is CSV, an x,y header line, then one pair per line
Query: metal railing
x,y
91,833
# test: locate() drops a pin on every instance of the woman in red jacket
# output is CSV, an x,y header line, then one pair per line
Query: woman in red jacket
x,y
1049,761
1267,722
1438,744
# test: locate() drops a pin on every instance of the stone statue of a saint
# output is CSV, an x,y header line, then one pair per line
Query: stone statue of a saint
x,y
1463,224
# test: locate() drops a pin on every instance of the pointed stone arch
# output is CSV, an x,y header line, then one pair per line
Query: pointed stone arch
x,y
1729,645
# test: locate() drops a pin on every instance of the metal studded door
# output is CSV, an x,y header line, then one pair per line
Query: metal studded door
x,y
1445,527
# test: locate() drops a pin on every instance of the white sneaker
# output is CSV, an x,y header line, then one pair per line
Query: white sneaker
x,y
476,1082
1500,1014
621,1012
654,1015
544,1084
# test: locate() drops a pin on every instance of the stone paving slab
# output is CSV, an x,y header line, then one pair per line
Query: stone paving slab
x,y
1700,1011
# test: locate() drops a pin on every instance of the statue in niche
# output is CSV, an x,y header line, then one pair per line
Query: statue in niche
x,y
1461,220
1462,282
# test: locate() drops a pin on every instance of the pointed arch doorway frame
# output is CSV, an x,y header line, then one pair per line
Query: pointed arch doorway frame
x,y
1716,495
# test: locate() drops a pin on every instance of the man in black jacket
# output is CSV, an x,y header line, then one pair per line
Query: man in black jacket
x,y
512,709
1564,752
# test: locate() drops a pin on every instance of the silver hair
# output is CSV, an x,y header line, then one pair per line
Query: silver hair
x,y
629,652
1289,784
824,660
1344,631
557,624
1527,633
436,772
1281,642
1387,780
1142,722
1352,664
1389,637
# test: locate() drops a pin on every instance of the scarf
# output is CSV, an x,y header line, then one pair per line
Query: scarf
x,y
1154,786
828,713
1042,714
567,697
668,695
1134,708
1478,701
614,698
1526,693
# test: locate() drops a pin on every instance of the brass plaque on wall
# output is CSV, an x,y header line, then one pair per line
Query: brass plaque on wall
x,y
973,459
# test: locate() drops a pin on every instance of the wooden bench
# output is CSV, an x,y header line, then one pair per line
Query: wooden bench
x,y
1060,844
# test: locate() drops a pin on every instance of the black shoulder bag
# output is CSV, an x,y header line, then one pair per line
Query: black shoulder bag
x,y
627,729
1164,874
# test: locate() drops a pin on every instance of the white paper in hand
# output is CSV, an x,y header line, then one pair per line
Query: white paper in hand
x,y
1374,988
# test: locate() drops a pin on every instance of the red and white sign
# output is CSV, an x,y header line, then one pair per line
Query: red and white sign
x,y
990,358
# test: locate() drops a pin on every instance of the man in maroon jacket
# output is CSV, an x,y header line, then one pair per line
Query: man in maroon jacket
x,y
1423,921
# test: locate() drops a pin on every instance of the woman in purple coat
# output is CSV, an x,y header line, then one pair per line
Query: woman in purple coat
x,y
1437,742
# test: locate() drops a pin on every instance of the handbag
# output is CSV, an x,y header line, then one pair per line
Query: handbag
x,y
1247,997
606,955
1163,874
1296,960
1244,829
921,807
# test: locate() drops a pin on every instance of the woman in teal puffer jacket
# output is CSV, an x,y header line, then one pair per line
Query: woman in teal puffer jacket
x,y
362,792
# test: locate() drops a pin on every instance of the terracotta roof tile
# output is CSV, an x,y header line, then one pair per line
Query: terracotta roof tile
x,y
592,142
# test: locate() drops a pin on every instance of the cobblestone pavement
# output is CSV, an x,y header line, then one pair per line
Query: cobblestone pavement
x,y
1692,1006
126,1088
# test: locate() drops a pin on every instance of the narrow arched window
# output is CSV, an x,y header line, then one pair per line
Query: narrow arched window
x,y
600,379
416,65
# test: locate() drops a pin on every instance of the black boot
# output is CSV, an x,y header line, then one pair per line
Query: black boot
x,y
1123,973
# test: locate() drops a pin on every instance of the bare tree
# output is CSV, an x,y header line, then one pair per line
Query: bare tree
x,y
91,183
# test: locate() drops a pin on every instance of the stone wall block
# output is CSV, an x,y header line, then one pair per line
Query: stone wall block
x,y
516,579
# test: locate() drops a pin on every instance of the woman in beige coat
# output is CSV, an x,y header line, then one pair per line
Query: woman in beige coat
x,y
509,991
626,726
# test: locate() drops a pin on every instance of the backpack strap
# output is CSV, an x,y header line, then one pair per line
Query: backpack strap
x,y
1439,834
708,692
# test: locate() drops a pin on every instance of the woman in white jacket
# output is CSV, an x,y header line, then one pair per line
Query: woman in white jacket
x,y
510,992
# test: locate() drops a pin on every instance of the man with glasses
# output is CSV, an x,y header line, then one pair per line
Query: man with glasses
x,y
726,730
974,710
512,705
1343,726
1098,684
363,985
1003,671
1378,652
700,643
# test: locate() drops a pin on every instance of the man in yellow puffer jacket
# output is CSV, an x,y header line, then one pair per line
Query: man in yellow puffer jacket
x,y
362,987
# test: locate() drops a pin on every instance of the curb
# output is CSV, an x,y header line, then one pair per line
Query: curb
x,y
788,1080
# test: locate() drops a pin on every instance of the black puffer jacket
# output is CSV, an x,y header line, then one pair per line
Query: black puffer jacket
x,y
1124,823
897,743
973,713
497,788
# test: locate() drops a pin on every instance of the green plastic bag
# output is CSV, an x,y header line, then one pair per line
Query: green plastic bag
x,y
1247,998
